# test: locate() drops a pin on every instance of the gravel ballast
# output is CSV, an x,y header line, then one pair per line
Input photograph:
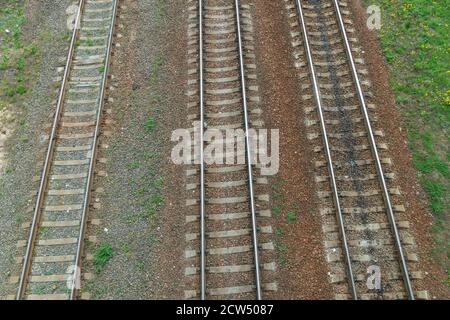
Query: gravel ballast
x,y
45,27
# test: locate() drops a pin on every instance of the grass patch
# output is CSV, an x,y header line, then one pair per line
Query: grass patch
x,y
149,124
160,10
134,165
159,183
290,216
15,55
140,264
156,66
151,240
414,38
124,247
156,199
102,254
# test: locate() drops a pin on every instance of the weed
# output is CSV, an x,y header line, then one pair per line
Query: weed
x,y
279,246
134,164
276,210
20,63
124,247
21,89
102,254
149,124
139,191
156,199
279,232
140,264
43,231
158,184
290,216
156,66
149,155
151,239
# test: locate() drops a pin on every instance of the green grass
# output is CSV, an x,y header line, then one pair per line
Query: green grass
x,y
151,240
156,66
156,199
158,183
15,56
102,254
160,10
135,164
279,246
149,124
140,264
124,247
290,216
415,38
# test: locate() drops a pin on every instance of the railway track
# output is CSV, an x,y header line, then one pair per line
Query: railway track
x,y
224,247
53,251
365,233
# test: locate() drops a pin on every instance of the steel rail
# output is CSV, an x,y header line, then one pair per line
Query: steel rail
x,y
248,152
201,157
316,92
77,272
373,146
43,182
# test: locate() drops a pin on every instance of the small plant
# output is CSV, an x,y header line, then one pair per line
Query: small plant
x,y
279,246
279,232
124,247
157,63
158,184
101,69
134,164
290,216
149,155
140,264
20,89
102,254
276,210
131,217
149,124
156,199
43,231
139,191
152,239
20,63
10,92
30,51
4,62
148,213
